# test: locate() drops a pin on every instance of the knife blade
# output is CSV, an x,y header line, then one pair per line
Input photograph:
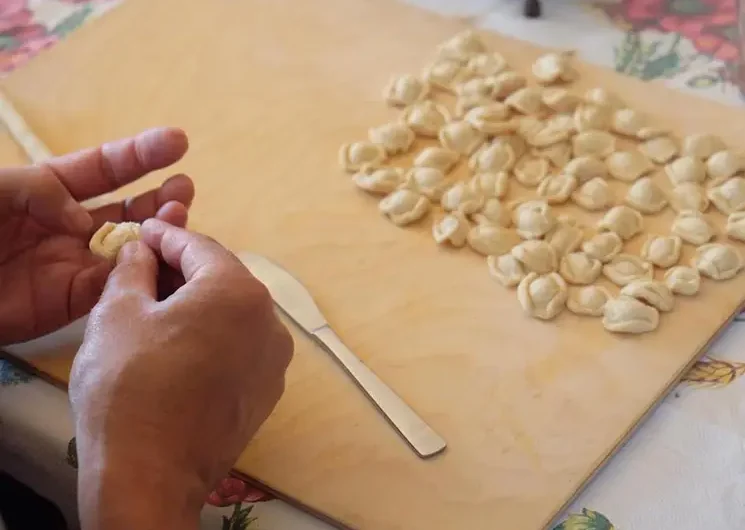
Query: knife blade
x,y
295,301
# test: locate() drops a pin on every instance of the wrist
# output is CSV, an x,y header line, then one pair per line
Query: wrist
x,y
126,490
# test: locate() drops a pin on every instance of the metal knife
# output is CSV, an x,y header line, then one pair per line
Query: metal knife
x,y
295,300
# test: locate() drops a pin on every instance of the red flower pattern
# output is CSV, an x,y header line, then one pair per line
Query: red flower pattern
x,y
232,490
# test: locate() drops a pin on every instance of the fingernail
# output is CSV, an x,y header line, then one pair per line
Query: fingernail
x,y
77,218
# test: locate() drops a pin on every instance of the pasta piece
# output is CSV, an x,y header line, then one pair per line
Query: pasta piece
x,y
683,280
452,229
603,98
428,181
556,189
686,169
553,68
662,251
689,196
647,133
405,90
460,137
628,122
586,168
486,64
531,171
477,87
736,226
426,118
603,246
628,315
592,118
506,83
588,301
624,221
559,99
599,144
494,157
404,206
533,219
395,137
578,268
465,104
490,184
505,269
692,228
660,149
594,195
651,292
566,236
557,154
625,268
525,100
381,181
355,156
536,256
542,296
646,196
701,146
490,240
627,166
515,142
109,239
462,198
437,158
461,47
722,165
492,118
717,261
494,212
445,74
729,197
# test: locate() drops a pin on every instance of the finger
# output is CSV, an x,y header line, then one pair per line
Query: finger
x,y
173,213
178,188
87,287
40,195
99,170
190,253
135,273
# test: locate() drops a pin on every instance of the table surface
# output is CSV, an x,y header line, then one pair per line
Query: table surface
x,y
685,468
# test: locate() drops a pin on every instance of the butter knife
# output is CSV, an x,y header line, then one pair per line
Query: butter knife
x,y
295,300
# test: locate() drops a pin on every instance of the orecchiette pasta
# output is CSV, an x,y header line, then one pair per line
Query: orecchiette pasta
x,y
542,296
108,240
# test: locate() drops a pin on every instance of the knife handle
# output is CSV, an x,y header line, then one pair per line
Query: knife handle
x,y
425,441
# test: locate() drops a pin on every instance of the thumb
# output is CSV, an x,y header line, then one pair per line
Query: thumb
x,y
135,273
36,191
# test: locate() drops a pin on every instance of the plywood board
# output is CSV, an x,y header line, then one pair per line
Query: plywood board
x,y
268,90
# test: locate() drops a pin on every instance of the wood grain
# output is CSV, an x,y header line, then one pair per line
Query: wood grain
x,y
268,90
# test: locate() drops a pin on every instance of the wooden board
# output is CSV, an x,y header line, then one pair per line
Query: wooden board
x,y
268,90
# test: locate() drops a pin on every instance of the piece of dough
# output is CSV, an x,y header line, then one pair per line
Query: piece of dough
x,y
553,68
628,166
490,184
604,98
646,196
588,301
526,100
428,181
647,133
566,236
651,292
426,118
599,144
542,296
556,189
108,240
354,156
533,219
452,229
588,117
494,157
686,169
461,47
660,149
689,196
722,165
492,240
506,83
530,171
624,221
515,142
628,315
603,246
559,99
505,269
586,168
436,157
445,74
462,198
662,251
465,104
628,122
491,118
382,181
718,261
692,227
476,87
536,256
494,212
404,206
594,195
578,268
558,154
701,146
729,197
394,137
683,280
404,90
736,226
625,268
543,134
461,137
486,64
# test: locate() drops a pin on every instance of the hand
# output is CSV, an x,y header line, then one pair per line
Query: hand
x,y
166,394
48,277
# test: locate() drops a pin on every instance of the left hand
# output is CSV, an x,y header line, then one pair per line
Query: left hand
x,y
48,276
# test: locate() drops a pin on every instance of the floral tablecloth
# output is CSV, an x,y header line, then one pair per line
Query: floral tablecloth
x,y
684,469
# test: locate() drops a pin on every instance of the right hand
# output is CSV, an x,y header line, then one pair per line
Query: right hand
x,y
166,394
